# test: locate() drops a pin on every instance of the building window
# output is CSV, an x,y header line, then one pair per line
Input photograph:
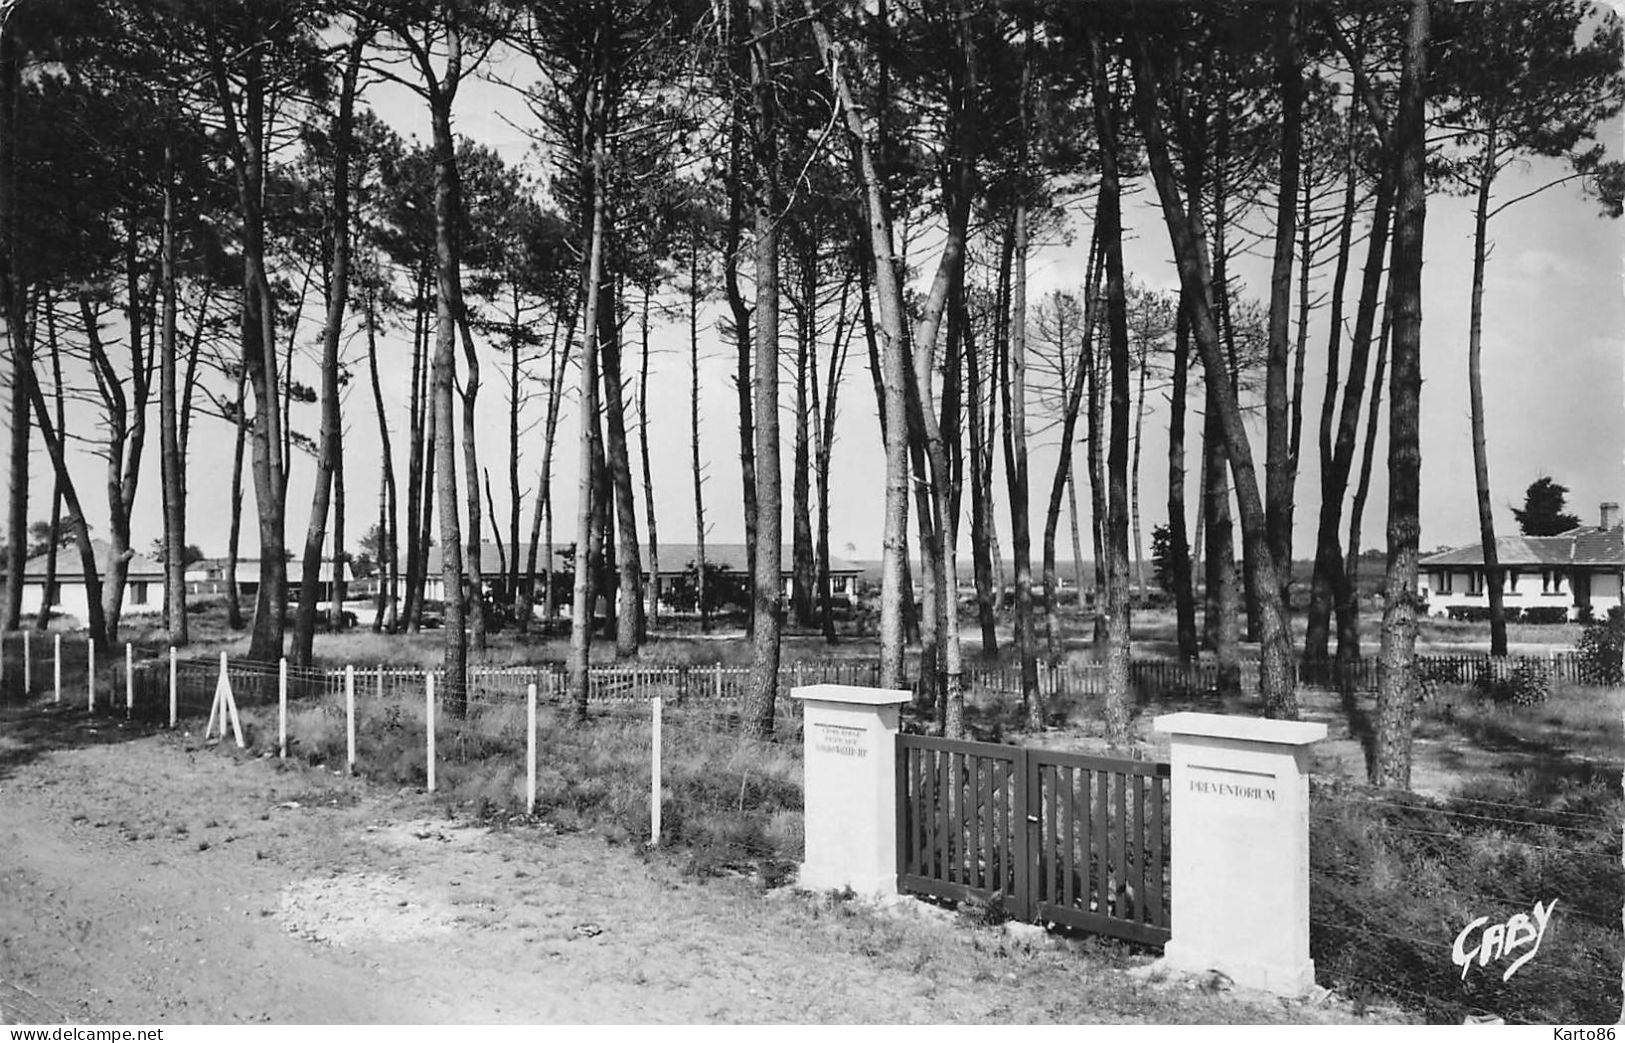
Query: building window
x,y
1475,582
1441,582
837,584
138,593
1551,581
1512,580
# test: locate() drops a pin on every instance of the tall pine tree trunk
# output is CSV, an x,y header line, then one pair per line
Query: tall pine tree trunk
x,y
629,602
1396,674
701,600
1110,225
581,611
767,586
1179,553
1475,392
172,468
448,297
12,308
652,615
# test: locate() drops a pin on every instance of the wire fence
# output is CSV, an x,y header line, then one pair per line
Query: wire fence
x,y
1470,908
731,801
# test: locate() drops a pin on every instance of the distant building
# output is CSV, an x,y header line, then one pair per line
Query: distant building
x,y
675,559
211,576
143,589
1583,568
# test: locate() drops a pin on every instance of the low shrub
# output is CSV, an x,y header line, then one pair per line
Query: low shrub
x,y
1529,683
1544,614
1601,649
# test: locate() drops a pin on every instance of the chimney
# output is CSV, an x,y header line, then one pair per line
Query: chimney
x,y
1610,516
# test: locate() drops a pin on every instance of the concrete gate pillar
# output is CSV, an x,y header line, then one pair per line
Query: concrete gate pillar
x,y
1240,848
850,794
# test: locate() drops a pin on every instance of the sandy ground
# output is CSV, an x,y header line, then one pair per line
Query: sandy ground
x,y
147,878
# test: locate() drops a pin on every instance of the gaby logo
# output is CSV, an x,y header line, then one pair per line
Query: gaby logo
x,y
1502,939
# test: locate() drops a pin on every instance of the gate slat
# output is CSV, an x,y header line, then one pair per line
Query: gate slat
x,y
1102,844
1068,863
939,853
1051,848
1119,842
1001,824
985,876
1020,836
965,784
905,813
1137,835
1154,888
928,810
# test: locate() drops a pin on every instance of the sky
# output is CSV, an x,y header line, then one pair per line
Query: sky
x,y
1554,372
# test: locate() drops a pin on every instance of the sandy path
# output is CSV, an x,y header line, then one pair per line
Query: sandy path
x,y
145,879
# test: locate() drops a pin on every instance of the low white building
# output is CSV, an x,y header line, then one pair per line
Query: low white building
x,y
675,559
211,576
66,595
1577,570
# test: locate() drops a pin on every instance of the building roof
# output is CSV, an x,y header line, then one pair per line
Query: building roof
x,y
69,570
248,569
1583,545
674,559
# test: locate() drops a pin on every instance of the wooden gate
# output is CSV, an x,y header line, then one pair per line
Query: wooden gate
x,y
1062,838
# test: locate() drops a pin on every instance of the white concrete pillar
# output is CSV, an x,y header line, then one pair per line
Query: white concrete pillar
x,y
850,794
1240,848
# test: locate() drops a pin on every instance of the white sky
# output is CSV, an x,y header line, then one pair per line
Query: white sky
x,y
1554,365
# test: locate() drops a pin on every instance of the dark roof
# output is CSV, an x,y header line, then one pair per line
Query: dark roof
x,y
674,558
1594,546
68,568
1583,545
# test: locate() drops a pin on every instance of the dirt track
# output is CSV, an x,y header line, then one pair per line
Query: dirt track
x,y
147,878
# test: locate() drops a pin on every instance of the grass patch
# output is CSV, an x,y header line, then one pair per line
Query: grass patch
x,y
1394,879
728,803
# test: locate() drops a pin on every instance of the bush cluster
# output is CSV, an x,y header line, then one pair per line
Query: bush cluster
x,y
1539,614
1529,683
1602,649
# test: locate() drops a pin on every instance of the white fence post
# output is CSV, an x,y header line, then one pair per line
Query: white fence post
x,y
654,775
129,680
56,666
174,689
282,709
428,722
28,663
349,717
90,650
530,750
380,681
